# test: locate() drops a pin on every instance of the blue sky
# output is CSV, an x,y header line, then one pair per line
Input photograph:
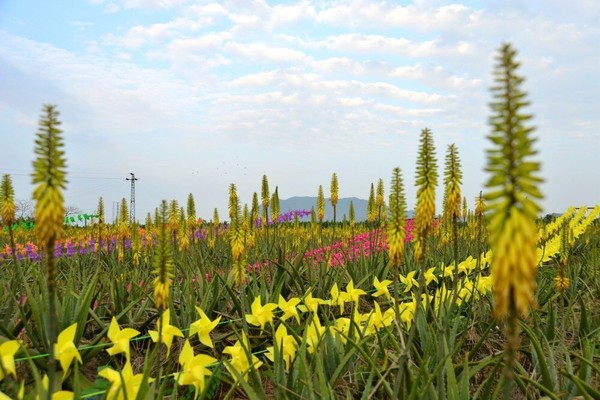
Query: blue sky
x,y
194,95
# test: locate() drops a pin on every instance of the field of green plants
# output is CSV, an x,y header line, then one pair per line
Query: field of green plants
x,y
469,302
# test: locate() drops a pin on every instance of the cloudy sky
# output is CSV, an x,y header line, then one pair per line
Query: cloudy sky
x,y
194,95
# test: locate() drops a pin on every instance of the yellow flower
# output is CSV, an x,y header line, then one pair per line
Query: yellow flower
x,y
8,350
342,328
124,384
377,320
430,276
313,332
484,285
465,291
195,368
167,331
338,297
561,282
382,287
312,303
120,338
286,344
514,268
406,311
203,327
261,314
161,294
409,281
241,358
289,308
65,350
59,395
442,295
448,272
354,294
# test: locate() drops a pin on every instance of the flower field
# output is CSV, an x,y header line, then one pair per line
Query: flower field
x,y
492,302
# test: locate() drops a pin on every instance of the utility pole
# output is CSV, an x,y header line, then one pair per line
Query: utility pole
x,y
132,198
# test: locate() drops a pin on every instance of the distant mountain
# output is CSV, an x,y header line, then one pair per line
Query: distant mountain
x,y
343,207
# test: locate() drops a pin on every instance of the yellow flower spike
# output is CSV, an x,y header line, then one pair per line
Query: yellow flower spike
x,y
203,327
7,204
120,338
354,293
261,314
167,331
562,283
162,260
65,350
124,384
195,368
240,361
409,280
287,345
396,231
382,288
430,276
289,308
513,194
8,350
426,181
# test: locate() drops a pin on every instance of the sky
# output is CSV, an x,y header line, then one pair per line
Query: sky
x,y
192,96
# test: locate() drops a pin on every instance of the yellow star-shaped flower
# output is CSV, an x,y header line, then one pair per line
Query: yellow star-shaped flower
x,y
313,332
354,294
377,320
289,308
261,314
167,330
203,327
341,327
382,287
448,272
123,384
120,338
286,344
312,303
409,281
430,276
65,350
58,395
241,358
8,350
338,297
195,368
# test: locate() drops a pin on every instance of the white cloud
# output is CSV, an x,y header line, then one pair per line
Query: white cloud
x,y
261,53
283,15
358,13
378,45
